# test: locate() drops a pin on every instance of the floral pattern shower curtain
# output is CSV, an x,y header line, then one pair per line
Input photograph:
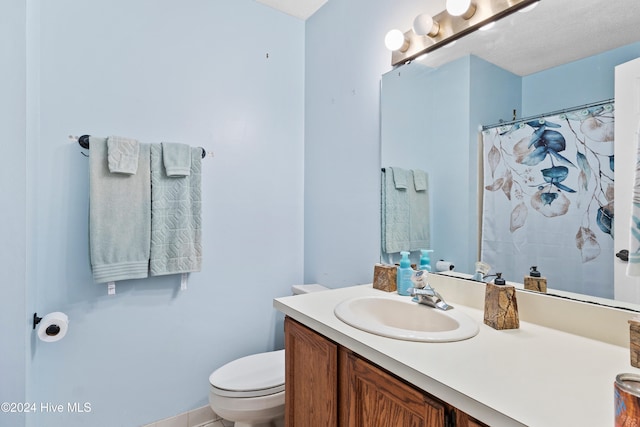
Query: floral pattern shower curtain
x,y
548,199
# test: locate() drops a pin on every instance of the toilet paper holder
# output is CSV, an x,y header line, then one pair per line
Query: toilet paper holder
x,y
36,320
51,330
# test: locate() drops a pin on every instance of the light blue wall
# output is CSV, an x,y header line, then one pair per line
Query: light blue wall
x,y
194,72
13,250
576,83
345,57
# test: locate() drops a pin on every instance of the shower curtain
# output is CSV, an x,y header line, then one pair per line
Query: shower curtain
x,y
548,199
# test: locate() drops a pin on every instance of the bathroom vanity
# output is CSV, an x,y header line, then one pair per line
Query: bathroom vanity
x,y
540,375
329,385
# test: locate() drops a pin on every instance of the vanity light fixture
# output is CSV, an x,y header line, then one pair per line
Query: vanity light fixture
x,y
424,25
396,41
461,17
462,8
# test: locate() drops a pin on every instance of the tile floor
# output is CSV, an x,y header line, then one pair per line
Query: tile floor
x,y
200,417
222,423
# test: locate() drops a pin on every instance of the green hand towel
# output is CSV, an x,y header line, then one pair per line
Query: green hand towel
x,y
176,245
119,217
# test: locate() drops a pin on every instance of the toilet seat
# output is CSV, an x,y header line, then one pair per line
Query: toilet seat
x,y
256,375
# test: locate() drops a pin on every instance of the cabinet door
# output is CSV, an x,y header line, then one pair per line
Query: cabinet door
x,y
311,377
464,420
370,397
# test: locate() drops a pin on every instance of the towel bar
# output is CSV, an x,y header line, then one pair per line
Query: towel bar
x,y
84,143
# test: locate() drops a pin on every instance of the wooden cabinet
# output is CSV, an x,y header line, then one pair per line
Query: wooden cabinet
x,y
329,385
371,397
464,420
311,381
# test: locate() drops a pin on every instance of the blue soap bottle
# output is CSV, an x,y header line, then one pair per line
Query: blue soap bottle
x,y
425,260
404,275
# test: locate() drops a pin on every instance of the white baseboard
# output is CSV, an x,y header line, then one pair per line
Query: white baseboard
x,y
198,417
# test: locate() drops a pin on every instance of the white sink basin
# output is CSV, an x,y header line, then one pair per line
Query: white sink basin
x,y
398,317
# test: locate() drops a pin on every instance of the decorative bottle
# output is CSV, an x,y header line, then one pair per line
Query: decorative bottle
x,y
404,274
534,281
425,259
501,305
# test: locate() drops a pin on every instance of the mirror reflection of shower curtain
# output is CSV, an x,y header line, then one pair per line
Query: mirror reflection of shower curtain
x,y
548,199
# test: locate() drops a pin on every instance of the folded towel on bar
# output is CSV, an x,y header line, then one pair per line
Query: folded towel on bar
x,y
420,180
176,245
400,177
176,158
123,155
119,216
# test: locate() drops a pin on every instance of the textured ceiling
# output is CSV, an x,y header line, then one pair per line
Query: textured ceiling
x,y
299,8
554,33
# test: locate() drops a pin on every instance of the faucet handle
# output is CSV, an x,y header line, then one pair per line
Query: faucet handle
x,y
427,290
429,296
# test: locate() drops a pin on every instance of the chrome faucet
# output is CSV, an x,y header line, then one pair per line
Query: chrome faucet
x,y
429,296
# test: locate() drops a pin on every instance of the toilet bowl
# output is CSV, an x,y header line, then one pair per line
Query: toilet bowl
x,y
250,391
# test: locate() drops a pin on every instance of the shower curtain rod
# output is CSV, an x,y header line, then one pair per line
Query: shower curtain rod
x,y
553,113
84,143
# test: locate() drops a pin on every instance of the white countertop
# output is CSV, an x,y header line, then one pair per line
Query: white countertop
x,y
532,376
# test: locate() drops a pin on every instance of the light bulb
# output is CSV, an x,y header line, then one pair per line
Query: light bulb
x,y
530,7
489,26
464,8
394,40
424,25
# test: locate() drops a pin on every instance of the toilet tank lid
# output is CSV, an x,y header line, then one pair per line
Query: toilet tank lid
x,y
305,289
255,372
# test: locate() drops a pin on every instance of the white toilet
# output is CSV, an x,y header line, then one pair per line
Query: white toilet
x,y
250,391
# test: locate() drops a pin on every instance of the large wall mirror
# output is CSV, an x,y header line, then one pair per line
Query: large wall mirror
x,y
560,55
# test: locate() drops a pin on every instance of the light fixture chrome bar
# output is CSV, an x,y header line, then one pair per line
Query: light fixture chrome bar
x,y
455,27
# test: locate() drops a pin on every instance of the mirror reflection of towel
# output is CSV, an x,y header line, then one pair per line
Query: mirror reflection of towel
x,y
419,212
404,212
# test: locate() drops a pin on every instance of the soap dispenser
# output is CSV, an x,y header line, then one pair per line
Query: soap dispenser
x,y
500,305
404,275
425,259
534,281
482,268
